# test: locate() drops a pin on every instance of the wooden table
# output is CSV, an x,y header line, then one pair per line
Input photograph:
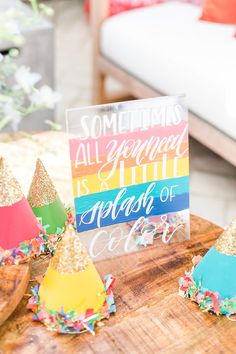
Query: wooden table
x,y
150,317
14,282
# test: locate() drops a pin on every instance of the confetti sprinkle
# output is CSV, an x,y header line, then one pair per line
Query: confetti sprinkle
x,y
148,231
145,239
207,300
42,244
71,322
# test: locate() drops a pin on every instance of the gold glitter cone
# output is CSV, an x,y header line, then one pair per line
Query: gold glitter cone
x,y
42,191
71,256
10,190
226,243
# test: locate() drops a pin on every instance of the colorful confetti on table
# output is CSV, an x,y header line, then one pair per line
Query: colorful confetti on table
x,y
148,231
207,300
71,322
42,244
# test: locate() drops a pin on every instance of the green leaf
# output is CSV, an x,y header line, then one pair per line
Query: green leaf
x,y
4,122
53,125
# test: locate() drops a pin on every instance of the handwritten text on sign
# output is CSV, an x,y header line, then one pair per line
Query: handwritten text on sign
x,y
129,164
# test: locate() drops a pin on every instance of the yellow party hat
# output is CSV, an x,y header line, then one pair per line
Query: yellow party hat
x,y
72,282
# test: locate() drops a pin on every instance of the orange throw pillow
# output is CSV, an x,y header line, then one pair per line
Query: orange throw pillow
x,y
221,11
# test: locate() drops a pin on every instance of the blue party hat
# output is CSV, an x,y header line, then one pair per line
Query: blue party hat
x,y
212,281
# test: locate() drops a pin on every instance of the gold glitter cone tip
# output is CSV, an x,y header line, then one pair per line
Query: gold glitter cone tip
x,y
10,190
71,256
226,243
42,191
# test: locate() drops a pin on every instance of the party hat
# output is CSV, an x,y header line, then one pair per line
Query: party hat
x,y
18,223
212,282
72,281
45,202
72,290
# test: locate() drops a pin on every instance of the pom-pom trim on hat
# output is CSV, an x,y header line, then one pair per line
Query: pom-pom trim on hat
x,y
41,244
71,322
206,299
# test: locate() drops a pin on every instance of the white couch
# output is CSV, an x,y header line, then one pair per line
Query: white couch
x,y
166,47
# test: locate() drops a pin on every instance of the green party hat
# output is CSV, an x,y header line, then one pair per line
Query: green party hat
x,y
45,202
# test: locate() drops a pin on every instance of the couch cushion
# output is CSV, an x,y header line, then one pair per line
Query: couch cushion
x,y
220,11
168,48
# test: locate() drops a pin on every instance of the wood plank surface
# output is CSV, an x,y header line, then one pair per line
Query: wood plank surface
x,y
13,283
150,317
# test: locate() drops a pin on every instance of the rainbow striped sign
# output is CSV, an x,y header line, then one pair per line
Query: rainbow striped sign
x,y
129,160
